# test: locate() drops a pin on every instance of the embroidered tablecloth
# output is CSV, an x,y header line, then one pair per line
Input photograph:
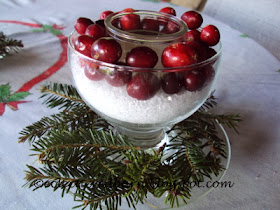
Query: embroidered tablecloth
x,y
249,83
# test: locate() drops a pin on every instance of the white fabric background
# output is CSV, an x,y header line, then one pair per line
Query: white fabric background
x,y
248,84
258,19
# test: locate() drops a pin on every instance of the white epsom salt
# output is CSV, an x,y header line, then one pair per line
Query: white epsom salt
x,y
117,104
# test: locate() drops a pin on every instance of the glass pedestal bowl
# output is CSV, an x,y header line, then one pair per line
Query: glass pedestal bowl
x,y
143,121
198,190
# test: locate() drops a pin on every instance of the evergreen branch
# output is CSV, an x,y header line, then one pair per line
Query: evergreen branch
x,y
60,148
216,148
209,103
106,167
142,169
85,145
61,95
196,139
64,121
175,183
189,158
142,163
105,199
31,177
209,133
8,46
90,191
63,151
229,120
76,146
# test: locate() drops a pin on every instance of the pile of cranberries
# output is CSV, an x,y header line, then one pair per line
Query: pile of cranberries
x,y
93,41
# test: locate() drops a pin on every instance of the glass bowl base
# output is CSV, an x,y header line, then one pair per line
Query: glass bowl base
x,y
143,138
198,191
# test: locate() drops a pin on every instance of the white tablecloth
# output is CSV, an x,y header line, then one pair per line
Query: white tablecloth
x,y
249,84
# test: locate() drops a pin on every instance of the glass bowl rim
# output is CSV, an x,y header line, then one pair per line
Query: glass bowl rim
x,y
139,37
140,69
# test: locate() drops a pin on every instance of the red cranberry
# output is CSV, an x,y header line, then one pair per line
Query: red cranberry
x,y
171,83
143,57
163,20
210,52
106,49
208,72
116,23
105,14
178,54
143,86
210,35
192,35
193,19
128,10
119,78
83,44
100,23
168,10
81,24
170,28
200,48
130,21
150,24
94,30
194,80
93,73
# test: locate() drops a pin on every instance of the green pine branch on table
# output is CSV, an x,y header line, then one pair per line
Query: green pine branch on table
x,y
8,46
77,148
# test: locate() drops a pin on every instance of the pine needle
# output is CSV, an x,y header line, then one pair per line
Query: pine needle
x,y
78,151
8,45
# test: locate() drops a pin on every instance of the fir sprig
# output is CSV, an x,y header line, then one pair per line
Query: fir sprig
x,y
78,150
62,96
8,45
74,113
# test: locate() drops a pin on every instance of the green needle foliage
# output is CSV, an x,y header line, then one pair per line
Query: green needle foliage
x,y
79,154
8,46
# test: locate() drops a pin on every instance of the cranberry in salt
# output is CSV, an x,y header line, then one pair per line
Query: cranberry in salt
x,y
81,24
210,35
105,14
170,28
95,31
193,35
150,24
83,44
178,54
143,86
194,80
143,57
93,73
193,19
210,52
200,48
168,10
128,10
106,49
171,83
119,77
130,21
208,72
102,24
